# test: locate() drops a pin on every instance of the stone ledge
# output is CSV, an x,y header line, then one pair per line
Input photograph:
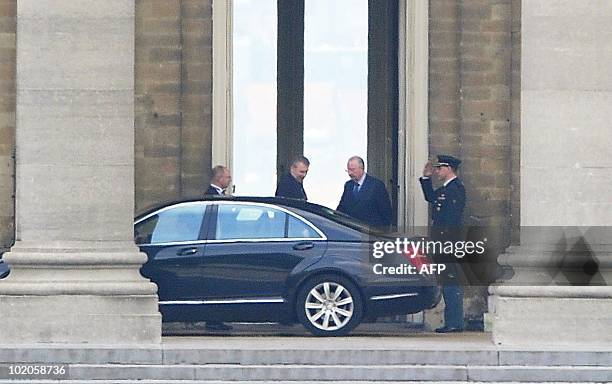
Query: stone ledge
x,y
469,349
552,321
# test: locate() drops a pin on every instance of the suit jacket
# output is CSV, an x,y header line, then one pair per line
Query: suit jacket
x,y
290,187
212,191
370,205
447,202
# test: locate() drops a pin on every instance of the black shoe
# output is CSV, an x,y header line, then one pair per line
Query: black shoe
x,y
448,330
218,326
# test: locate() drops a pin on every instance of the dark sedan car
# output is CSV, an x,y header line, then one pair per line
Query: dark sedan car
x,y
271,259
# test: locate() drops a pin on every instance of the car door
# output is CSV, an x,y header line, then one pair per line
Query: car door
x,y
173,239
253,248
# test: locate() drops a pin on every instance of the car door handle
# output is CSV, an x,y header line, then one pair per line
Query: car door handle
x,y
187,251
303,246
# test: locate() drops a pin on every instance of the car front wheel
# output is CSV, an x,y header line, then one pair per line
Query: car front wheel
x,y
329,306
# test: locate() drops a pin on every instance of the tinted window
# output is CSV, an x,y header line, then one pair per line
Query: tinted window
x,y
143,231
298,229
180,223
347,220
249,222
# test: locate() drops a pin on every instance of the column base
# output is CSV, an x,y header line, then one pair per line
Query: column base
x,y
523,317
69,293
72,319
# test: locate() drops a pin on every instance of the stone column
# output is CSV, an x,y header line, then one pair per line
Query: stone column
x,y
561,291
74,266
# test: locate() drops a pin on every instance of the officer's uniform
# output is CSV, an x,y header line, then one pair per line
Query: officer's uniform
x,y
447,204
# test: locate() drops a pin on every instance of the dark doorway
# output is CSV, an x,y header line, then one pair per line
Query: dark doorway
x,y
382,84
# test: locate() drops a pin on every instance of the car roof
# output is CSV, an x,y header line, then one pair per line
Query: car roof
x,y
316,209
282,201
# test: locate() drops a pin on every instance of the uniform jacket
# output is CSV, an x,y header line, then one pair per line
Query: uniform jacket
x,y
447,202
290,187
370,205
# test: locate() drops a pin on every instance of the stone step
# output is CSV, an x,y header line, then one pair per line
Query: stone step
x,y
348,373
262,382
388,357
305,356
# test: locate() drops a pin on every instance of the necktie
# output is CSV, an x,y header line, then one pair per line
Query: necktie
x,y
356,189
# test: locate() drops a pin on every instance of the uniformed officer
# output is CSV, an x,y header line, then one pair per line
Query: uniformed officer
x,y
447,203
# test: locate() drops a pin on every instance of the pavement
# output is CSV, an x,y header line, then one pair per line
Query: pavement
x,y
294,330
371,336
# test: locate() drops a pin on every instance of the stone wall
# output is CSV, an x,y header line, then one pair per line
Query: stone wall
x,y
444,76
472,95
515,124
173,99
8,10
567,91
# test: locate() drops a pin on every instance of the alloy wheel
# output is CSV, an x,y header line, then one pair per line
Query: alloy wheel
x,y
329,306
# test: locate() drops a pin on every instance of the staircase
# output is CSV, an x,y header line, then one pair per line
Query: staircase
x,y
422,358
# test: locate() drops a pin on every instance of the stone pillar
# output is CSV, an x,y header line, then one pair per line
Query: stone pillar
x,y
561,291
74,266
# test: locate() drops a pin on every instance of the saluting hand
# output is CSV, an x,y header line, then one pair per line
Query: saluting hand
x,y
428,170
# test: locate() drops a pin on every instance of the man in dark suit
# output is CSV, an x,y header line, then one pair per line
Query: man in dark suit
x,y
447,204
219,181
365,197
292,184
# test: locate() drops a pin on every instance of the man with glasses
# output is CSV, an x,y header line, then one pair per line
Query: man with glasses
x,y
365,197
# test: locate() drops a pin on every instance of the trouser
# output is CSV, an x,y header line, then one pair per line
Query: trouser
x,y
453,301
452,290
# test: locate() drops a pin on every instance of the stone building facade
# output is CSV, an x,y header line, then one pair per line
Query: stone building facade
x,y
472,114
477,83
474,93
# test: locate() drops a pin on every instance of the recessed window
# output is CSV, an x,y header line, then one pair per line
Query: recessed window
x,y
335,93
254,96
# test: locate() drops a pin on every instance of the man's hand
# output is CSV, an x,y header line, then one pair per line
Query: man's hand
x,y
428,170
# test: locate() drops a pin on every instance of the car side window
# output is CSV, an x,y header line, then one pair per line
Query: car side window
x,y
143,231
177,224
298,229
244,222
235,222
